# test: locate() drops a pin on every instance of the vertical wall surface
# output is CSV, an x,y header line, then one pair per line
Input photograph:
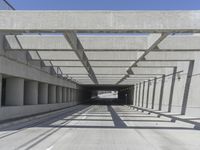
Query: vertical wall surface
x,y
177,92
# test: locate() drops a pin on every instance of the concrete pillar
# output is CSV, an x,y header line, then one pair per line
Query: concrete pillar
x,y
74,98
154,92
0,88
161,92
30,93
42,93
187,87
69,95
147,100
172,89
59,94
143,91
72,95
139,94
133,94
66,99
52,94
136,93
64,95
14,92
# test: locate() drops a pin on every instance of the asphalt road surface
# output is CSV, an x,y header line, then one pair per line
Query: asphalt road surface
x,y
100,127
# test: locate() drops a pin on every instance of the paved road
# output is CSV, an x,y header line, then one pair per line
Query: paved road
x,y
100,127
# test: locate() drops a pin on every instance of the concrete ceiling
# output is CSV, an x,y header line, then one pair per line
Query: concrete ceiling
x,y
106,48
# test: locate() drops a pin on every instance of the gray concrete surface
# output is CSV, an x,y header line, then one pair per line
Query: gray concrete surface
x,y
42,93
15,92
52,94
30,93
138,21
100,127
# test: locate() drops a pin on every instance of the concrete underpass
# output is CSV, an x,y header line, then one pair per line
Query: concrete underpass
x,y
99,80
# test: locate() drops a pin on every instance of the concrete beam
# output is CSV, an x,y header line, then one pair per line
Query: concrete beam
x,y
100,21
103,43
153,42
79,50
19,69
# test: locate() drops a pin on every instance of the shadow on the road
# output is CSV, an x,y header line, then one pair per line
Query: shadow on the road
x,y
54,123
118,122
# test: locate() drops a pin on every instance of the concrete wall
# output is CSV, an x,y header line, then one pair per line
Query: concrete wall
x,y
12,112
192,104
30,88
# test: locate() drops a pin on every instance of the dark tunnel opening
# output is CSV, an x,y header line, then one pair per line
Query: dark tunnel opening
x,y
109,95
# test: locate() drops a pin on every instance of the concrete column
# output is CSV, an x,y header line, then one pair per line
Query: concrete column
x,y
75,94
143,90
136,95
14,92
59,94
161,92
172,89
139,94
43,93
52,94
0,88
30,93
69,95
72,95
132,95
147,100
64,95
187,87
154,92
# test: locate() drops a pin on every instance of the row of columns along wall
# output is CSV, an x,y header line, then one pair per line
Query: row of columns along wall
x,y
19,92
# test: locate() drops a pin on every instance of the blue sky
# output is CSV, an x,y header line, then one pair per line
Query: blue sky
x,y
106,4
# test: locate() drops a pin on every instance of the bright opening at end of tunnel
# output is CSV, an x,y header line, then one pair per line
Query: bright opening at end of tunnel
x,y
107,94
